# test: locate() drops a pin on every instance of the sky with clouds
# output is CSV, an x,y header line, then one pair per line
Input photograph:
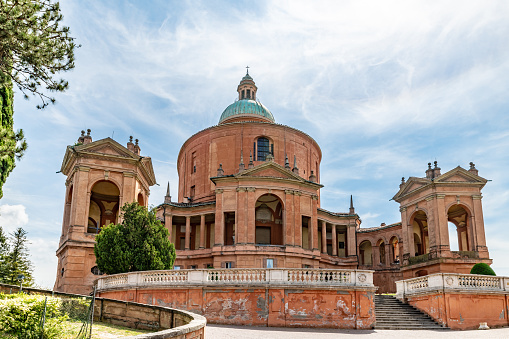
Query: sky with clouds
x,y
383,87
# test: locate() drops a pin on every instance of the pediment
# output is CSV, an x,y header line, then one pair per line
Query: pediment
x,y
460,175
270,170
411,185
107,146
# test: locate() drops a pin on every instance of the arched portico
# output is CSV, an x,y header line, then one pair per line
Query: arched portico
x,y
269,220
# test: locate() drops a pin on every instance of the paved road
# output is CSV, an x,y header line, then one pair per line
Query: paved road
x,y
246,332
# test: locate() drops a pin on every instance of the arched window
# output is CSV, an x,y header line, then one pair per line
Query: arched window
x,y
263,148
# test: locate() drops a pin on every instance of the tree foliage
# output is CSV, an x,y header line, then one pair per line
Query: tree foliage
x,y
34,46
14,258
483,269
12,144
139,243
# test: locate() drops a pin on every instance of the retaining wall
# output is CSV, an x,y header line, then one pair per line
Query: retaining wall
x,y
168,322
459,301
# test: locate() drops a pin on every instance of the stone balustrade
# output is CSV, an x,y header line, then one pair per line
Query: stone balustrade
x,y
451,282
240,276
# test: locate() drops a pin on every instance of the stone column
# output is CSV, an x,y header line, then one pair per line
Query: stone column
x,y
168,223
324,237
441,224
219,221
411,240
314,223
241,216
288,220
81,199
432,231
388,260
405,253
375,255
251,217
478,227
202,231
297,223
188,233
351,240
334,241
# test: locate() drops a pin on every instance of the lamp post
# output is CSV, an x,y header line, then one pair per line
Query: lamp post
x,y
21,277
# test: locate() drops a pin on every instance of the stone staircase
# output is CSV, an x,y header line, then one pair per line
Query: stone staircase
x,y
392,314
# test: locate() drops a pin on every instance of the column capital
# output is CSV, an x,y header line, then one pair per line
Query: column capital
x,y
84,168
219,191
250,189
431,197
241,189
477,197
128,174
402,209
289,192
314,197
440,196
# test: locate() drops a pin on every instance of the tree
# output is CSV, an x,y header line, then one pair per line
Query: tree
x,y
139,243
17,261
12,145
482,268
4,250
33,48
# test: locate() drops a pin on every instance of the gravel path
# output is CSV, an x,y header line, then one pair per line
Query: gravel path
x,y
247,332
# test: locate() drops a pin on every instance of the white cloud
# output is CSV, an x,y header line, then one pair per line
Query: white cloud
x,y
382,87
12,217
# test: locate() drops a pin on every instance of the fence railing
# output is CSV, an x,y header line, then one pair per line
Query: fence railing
x,y
240,276
451,282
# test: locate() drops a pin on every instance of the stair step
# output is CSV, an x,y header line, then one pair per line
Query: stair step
x,y
392,314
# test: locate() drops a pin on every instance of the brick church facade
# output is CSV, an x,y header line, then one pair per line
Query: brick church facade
x,y
249,197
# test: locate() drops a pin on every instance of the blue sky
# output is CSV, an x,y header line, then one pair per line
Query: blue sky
x,y
383,87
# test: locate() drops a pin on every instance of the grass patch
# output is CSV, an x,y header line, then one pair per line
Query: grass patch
x,y
99,331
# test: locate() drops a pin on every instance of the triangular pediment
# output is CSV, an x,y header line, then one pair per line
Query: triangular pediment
x,y
270,169
460,175
107,146
412,184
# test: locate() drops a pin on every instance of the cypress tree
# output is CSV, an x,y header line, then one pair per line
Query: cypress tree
x,y
17,260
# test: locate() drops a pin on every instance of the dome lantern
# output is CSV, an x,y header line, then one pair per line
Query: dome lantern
x,y
246,108
247,88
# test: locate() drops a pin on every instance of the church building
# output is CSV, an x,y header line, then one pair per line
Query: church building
x,y
249,197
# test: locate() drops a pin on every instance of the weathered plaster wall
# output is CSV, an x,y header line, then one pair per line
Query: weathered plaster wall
x,y
464,311
263,306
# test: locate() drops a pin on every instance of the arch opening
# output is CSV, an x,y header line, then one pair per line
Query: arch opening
x,y
421,237
141,201
394,248
104,204
365,253
459,236
269,220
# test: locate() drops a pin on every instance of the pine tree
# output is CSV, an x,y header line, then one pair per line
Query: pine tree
x,y
17,259
33,48
4,250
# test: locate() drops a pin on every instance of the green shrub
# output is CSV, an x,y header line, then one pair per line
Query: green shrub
x,y
483,269
20,316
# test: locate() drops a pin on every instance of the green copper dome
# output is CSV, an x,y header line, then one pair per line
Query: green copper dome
x,y
247,107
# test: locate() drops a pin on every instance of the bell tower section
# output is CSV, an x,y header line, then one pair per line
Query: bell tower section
x,y
101,176
432,206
